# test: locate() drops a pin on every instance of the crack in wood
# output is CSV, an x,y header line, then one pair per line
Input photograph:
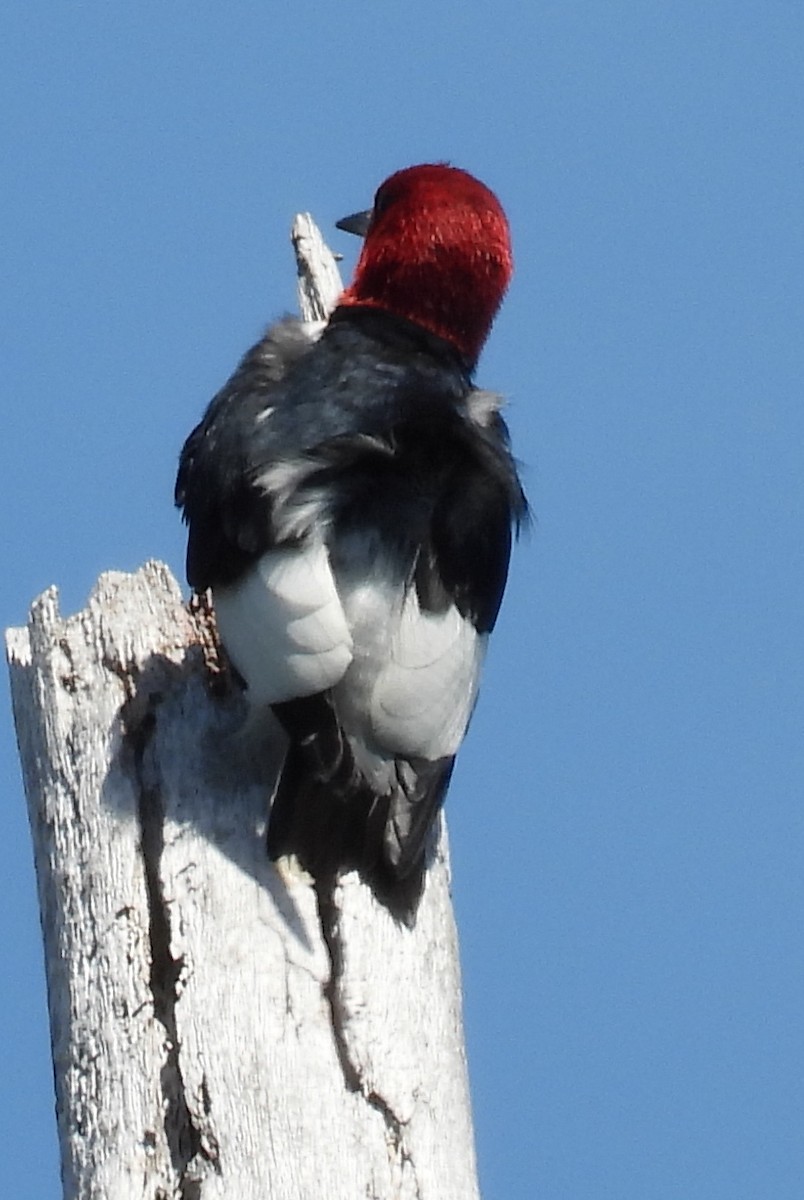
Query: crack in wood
x,y
187,1144
328,920
339,1018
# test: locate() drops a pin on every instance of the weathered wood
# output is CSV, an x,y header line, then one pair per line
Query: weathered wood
x,y
319,281
218,1028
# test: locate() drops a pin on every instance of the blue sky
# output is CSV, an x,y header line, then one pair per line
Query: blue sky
x,y
626,819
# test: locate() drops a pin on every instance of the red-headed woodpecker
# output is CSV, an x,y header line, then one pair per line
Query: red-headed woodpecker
x,y
350,501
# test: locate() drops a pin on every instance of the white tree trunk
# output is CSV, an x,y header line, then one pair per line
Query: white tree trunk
x,y
218,1030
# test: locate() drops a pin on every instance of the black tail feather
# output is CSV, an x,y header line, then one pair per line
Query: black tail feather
x,y
326,813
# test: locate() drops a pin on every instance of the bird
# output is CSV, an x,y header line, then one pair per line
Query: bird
x,y
351,499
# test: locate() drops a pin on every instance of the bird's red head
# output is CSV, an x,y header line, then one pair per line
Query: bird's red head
x,y
438,253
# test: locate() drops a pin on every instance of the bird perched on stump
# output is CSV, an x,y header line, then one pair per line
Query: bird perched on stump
x,y
350,499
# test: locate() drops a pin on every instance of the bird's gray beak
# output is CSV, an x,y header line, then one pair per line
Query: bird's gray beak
x,y
357,223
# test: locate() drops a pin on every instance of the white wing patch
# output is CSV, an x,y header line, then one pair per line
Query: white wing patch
x,y
413,681
405,681
283,625
424,695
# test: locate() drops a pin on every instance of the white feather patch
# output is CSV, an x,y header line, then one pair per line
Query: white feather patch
x,y
281,479
413,681
283,625
482,406
296,509
424,696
